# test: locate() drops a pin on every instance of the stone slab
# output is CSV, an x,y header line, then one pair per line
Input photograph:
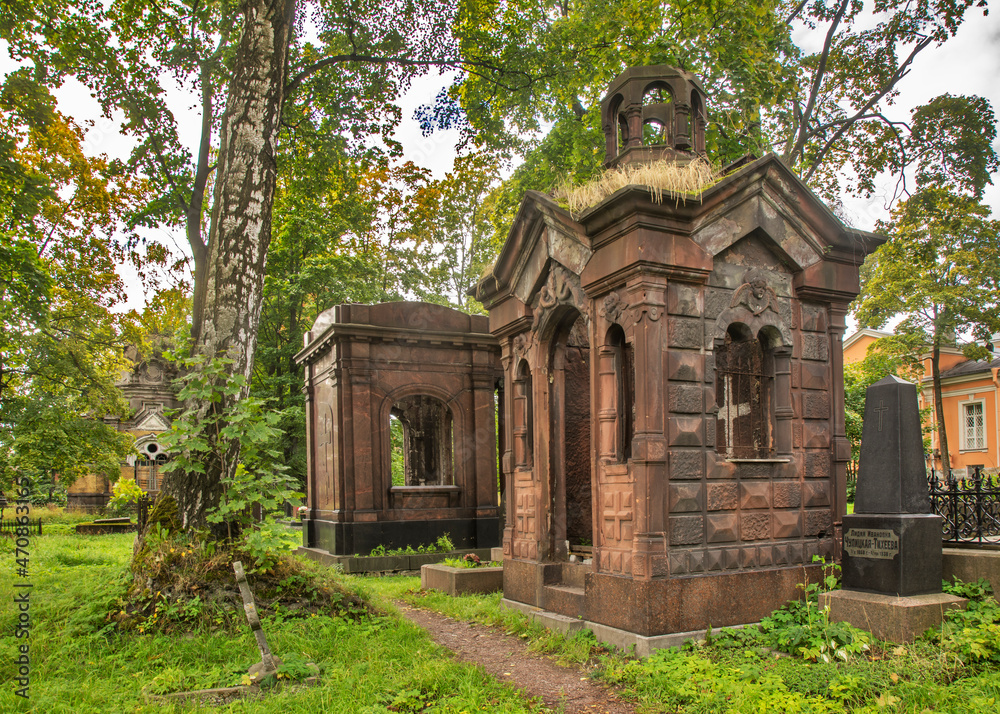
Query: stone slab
x,y
892,553
888,617
104,528
496,554
638,645
971,564
553,621
461,581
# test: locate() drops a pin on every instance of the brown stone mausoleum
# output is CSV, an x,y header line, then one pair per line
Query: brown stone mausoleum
x,y
435,371
674,451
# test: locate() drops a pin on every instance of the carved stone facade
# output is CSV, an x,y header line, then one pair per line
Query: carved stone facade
x,y
610,327
148,389
435,372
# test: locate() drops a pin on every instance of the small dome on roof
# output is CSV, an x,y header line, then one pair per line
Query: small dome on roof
x,y
653,113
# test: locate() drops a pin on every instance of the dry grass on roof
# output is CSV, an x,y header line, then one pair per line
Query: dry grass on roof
x,y
662,178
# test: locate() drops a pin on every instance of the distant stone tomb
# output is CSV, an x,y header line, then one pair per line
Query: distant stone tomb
x,y
433,371
674,451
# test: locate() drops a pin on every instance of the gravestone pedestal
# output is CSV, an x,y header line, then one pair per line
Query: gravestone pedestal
x,y
892,553
892,560
888,617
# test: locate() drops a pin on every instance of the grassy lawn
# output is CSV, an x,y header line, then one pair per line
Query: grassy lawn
x,y
957,670
82,663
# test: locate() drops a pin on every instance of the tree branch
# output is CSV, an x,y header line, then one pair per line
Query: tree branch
x,y
900,72
468,65
831,35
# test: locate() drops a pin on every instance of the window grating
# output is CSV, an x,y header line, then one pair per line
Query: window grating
x,y
742,382
975,427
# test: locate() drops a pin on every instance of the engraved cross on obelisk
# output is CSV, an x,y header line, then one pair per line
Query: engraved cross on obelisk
x,y
880,409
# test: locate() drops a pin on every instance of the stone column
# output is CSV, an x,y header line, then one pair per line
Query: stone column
x,y
783,410
649,453
841,446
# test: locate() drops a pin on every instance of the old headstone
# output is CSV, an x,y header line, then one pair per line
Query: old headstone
x,y
892,543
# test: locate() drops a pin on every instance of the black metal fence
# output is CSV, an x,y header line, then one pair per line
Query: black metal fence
x,y
10,526
970,507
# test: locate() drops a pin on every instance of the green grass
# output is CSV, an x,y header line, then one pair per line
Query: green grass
x,y
81,663
739,671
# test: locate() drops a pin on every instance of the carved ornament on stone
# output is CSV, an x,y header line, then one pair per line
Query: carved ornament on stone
x,y
755,293
613,307
653,312
561,288
521,346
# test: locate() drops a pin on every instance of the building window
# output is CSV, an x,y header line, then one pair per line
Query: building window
x,y
427,441
973,426
744,372
624,367
523,417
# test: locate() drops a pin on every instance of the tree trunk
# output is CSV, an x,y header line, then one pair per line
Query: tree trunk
x,y
240,230
939,408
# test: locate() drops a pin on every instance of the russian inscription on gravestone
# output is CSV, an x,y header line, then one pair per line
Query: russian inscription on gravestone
x,y
892,543
880,543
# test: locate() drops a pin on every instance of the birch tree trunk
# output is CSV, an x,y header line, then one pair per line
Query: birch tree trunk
x,y
228,309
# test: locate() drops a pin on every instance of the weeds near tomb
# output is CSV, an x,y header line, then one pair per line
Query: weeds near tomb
x,y
443,544
470,560
970,636
802,628
183,581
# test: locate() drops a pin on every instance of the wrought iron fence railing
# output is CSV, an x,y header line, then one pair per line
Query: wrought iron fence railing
x,y
970,507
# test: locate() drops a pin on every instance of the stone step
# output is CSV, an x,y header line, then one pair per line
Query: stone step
x,y
573,574
565,600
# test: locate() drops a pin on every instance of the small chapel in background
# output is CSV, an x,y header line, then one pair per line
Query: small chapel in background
x,y
148,389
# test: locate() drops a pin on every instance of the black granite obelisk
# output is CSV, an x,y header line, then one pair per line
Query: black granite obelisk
x,y
892,542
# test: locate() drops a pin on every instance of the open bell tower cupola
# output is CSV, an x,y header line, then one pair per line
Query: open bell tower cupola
x,y
653,113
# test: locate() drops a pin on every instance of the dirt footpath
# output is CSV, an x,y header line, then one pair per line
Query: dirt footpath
x,y
508,659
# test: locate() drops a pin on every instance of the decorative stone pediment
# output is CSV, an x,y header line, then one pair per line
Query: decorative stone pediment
x,y
561,288
151,420
543,234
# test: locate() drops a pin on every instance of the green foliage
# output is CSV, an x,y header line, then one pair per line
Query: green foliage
x,y
803,629
443,544
201,435
940,271
971,635
978,591
82,662
125,494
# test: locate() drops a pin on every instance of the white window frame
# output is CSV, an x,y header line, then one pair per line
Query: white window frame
x,y
963,408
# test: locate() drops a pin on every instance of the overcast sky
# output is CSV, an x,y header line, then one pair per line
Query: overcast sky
x,y
968,64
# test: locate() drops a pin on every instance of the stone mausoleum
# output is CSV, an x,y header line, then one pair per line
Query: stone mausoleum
x,y
148,387
674,450
435,372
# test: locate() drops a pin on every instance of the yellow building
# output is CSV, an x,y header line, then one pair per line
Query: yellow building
x,y
149,391
969,396
856,344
